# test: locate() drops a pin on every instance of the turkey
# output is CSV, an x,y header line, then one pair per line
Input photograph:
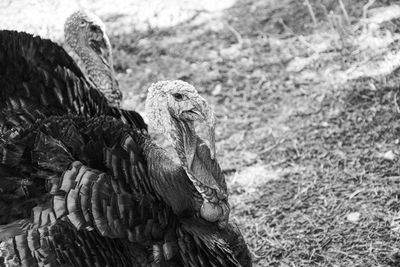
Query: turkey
x,y
99,180
87,43
119,197
38,79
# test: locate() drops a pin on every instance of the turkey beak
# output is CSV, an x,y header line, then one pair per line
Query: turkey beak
x,y
209,118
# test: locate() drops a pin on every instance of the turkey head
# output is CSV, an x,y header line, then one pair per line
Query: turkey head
x,y
88,44
173,107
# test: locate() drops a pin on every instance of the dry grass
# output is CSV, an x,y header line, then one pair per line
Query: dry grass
x,y
311,160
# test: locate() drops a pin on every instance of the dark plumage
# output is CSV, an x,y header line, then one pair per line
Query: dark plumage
x,y
125,202
81,188
38,78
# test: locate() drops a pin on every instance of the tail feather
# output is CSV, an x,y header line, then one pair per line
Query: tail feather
x,y
11,154
59,244
50,153
202,244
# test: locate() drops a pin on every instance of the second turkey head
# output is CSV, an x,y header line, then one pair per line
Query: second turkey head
x,y
88,44
172,107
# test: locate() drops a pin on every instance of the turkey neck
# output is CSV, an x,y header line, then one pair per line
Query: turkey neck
x,y
203,171
184,140
97,68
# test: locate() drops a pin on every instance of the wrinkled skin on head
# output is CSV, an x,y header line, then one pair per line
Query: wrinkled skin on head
x,y
172,107
86,29
178,100
86,34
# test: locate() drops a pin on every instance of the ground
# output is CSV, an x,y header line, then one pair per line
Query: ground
x,y
308,127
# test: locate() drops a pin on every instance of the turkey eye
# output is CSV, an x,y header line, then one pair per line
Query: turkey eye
x,y
178,96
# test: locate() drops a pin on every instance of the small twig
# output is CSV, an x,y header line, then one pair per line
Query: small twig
x,y
346,16
275,164
337,25
305,114
268,149
236,33
324,9
366,7
286,27
331,21
310,9
326,242
395,102
303,41
355,193
261,81
235,176
299,37
343,253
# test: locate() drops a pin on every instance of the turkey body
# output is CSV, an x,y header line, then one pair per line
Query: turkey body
x,y
94,179
82,184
